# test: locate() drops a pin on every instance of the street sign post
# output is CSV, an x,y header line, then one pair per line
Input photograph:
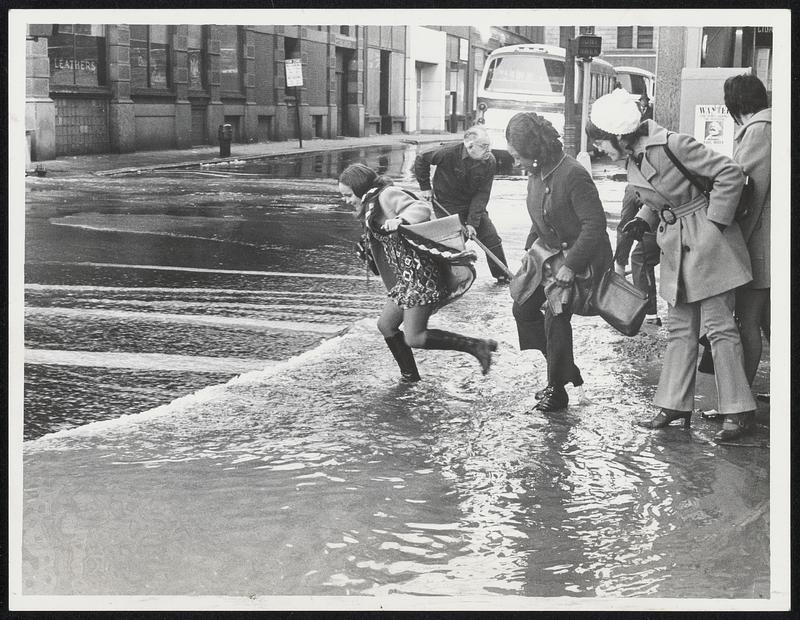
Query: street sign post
x,y
586,47
294,79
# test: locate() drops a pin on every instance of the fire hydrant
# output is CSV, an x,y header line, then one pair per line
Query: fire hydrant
x,y
225,135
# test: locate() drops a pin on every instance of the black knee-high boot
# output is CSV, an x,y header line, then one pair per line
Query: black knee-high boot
x,y
404,357
481,349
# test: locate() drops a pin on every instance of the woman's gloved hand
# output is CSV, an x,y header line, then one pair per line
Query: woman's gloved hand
x,y
636,228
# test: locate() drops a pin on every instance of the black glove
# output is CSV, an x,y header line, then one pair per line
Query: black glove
x,y
636,228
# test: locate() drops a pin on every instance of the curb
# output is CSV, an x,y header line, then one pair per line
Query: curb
x,y
292,151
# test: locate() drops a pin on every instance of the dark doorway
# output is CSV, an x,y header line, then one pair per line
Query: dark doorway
x,y
344,59
383,102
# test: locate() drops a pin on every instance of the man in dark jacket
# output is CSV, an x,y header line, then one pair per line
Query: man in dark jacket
x,y
463,180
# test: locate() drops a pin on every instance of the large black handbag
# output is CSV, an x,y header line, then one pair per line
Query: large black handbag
x,y
621,304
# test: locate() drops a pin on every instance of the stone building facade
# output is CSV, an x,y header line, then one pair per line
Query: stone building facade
x,y
97,88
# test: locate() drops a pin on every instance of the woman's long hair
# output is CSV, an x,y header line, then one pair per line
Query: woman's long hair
x,y
361,178
534,137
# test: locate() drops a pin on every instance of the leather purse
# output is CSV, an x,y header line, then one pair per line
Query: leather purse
x,y
621,304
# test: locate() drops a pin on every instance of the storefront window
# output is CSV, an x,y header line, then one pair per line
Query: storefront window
x,y
77,55
195,57
149,56
229,59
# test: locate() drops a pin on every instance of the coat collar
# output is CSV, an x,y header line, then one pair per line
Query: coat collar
x,y
763,116
544,174
656,136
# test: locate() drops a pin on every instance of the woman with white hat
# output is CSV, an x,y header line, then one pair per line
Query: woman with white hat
x,y
703,254
420,273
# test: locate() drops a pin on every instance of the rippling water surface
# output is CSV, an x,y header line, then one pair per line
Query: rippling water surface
x,y
210,410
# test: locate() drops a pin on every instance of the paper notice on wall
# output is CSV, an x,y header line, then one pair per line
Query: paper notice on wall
x,y
714,127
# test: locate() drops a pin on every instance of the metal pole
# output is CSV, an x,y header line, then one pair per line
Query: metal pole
x,y
488,252
587,87
297,106
583,157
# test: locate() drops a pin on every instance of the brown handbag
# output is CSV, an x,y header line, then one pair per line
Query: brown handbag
x,y
621,304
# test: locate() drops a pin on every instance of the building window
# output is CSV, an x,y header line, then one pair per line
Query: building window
x,y
230,59
644,37
586,30
624,37
77,55
149,56
194,50
345,30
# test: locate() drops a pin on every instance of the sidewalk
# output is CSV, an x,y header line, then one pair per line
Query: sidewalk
x,y
115,163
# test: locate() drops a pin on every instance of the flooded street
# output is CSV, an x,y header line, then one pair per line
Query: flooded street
x,y
210,410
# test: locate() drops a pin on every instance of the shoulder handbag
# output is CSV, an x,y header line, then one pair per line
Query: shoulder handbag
x,y
621,304
745,200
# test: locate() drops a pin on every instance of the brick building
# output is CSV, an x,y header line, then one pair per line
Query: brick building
x,y
96,88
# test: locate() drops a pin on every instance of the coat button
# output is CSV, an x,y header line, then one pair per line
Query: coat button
x,y
564,245
546,190
686,248
661,229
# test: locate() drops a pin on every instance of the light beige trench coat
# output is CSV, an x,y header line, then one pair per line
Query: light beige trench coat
x,y
697,260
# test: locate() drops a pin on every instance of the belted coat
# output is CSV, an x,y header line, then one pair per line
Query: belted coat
x,y
697,259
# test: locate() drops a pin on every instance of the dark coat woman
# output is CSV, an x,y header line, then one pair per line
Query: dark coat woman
x,y
567,239
703,255
420,274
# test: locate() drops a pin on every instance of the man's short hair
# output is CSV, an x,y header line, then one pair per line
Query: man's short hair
x,y
475,132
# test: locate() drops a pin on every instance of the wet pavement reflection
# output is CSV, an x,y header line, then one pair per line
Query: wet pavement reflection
x,y
209,409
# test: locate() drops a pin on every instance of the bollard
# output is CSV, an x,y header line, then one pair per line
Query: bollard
x,y
225,135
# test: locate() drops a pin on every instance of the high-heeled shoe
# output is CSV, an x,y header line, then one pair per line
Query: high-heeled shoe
x,y
663,418
736,426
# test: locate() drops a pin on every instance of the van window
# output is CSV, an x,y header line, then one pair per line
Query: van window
x,y
525,74
634,84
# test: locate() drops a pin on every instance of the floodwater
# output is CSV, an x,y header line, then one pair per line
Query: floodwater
x,y
209,409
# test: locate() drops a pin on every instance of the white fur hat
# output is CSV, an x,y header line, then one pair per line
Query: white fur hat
x,y
616,113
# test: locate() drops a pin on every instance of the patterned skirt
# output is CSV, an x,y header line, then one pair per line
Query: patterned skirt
x,y
419,279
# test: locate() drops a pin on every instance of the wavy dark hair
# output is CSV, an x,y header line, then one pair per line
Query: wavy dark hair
x,y
534,137
744,94
361,178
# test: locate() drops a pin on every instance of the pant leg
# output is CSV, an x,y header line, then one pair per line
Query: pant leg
x,y
733,390
530,322
487,234
676,384
645,257
560,362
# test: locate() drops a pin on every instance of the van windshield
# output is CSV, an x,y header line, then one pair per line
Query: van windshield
x,y
634,84
525,74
